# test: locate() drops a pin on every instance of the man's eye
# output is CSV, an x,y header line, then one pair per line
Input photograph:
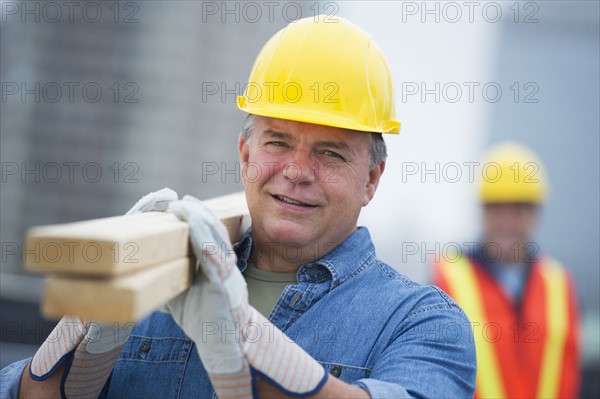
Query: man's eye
x,y
277,143
332,154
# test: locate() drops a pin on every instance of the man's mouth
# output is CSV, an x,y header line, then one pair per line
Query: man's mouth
x,y
291,201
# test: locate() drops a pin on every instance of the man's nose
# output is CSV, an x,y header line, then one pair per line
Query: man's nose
x,y
300,169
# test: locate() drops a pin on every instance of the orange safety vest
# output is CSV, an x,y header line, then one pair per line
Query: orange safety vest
x,y
530,352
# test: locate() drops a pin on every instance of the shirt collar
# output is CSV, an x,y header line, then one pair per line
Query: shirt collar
x,y
352,255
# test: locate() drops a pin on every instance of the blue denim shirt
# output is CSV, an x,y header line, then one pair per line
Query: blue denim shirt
x,y
363,321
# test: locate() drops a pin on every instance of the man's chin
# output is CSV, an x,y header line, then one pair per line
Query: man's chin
x,y
290,233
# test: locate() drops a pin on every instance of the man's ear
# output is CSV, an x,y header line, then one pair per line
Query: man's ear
x,y
375,173
244,152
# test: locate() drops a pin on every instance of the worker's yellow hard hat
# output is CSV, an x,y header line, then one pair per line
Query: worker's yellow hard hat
x,y
327,72
512,173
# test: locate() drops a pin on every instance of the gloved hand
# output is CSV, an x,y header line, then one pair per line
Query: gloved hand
x,y
89,349
234,340
157,201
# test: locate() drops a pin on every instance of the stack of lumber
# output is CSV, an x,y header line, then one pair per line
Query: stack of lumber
x,y
121,268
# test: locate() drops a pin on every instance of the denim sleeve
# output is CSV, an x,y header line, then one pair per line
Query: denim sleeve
x,y
10,379
432,355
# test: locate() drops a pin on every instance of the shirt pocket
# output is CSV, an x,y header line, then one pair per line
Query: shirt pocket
x,y
150,368
344,372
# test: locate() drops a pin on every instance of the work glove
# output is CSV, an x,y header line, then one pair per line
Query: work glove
x,y
234,340
89,349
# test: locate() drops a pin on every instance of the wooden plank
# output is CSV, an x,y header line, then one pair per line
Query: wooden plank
x,y
119,299
107,246
122,244
106,288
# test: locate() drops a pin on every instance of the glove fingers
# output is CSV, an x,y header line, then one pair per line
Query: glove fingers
x,y
179,209
218,229
191,205
155,201
204,221
198,206
212,247
221,234
65,337
208,235
191,198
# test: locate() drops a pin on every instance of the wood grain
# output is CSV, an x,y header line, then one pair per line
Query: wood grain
x,y
122,244
121,268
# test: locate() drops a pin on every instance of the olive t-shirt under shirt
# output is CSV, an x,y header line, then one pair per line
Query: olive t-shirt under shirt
x,y
265,288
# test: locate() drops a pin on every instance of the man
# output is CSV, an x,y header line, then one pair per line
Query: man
x,y
340,322
522,304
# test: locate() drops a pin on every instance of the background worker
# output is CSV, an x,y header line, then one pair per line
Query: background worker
x,y
521,302
348,325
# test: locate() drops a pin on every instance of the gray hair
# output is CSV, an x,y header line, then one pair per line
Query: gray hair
x,y
377,147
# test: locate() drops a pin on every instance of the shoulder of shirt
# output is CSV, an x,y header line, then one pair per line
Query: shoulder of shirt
x,y
407,292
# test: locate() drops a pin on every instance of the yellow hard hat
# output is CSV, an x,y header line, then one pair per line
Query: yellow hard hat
x,y
512,173
327,72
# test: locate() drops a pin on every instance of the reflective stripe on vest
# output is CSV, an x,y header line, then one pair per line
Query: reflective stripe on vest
x,y
557,314
464,287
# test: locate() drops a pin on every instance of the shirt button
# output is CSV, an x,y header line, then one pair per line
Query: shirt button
x,y
145,347
336,371
296,298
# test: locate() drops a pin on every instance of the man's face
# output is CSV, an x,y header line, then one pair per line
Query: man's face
x,y
509,227
305,183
